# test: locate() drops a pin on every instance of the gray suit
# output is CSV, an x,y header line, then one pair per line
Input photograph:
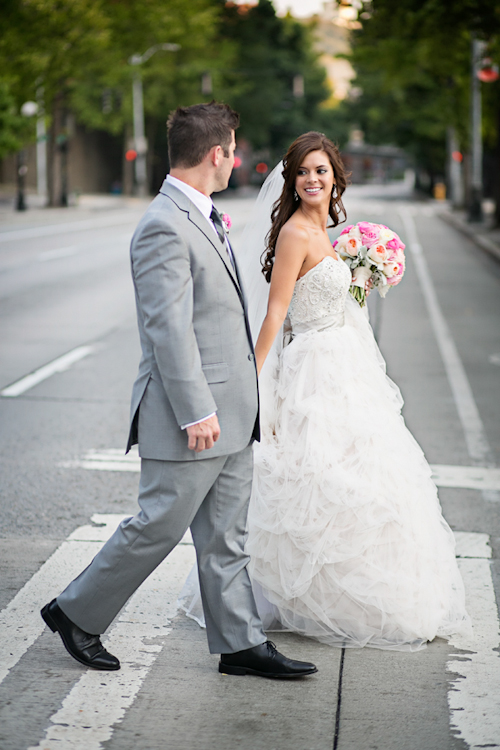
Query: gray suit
x,y
197,358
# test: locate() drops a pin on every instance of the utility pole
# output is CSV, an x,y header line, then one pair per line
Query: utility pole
x,y
140,142
476,176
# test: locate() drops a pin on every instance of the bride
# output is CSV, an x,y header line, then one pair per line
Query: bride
x,y
346,537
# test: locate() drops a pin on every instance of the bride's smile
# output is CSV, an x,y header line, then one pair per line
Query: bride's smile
x,y
315,180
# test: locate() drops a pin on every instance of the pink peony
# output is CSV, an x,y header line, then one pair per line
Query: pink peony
x,y
395,244
347,229
370,233
226,220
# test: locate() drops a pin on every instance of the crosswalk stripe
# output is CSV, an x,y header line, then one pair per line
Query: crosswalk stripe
x,y
465,477
20,621
474,695
99,700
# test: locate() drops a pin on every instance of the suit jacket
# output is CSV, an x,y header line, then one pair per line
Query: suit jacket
x,y
197,352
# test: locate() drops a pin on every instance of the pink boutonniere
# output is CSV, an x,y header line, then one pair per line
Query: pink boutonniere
x,y
226,220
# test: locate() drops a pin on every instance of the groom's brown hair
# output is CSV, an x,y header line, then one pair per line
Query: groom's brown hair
x,y
193,131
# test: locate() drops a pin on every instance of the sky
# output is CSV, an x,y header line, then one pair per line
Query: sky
x,y
299,8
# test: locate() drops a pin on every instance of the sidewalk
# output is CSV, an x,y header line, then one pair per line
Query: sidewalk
x,y
81,206
482,233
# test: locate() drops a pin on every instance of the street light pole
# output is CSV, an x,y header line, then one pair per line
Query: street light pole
x,y
140,142
27,110
139,137
41,146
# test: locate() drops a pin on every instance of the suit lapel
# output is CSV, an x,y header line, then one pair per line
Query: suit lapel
x,y
196,217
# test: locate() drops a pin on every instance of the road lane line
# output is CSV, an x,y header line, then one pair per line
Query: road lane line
x,y
20,621
61,252
57,365
475,434
464,477
474,694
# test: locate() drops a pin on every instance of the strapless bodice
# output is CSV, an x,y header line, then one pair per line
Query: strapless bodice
x,y
318,299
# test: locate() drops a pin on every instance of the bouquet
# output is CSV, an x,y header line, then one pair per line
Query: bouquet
x,y
374,253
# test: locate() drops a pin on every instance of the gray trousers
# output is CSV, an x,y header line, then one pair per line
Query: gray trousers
x,y
211,496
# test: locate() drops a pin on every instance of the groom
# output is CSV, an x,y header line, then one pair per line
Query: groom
x,y
194,414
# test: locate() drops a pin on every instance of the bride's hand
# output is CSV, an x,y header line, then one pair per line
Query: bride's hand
x,y
368,287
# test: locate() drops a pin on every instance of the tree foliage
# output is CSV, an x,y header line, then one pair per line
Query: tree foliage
x,y
79,51
271,53
412,60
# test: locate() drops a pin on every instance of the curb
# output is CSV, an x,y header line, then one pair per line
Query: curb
x,y
483,242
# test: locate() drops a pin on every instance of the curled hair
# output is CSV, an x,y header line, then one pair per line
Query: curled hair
x,y
193,131
286,205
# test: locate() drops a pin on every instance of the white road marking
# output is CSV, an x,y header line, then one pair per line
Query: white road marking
x,y
107,460
100,700
61,252
494,359
57,365
466,477
475,434
20,621
474,695
68,227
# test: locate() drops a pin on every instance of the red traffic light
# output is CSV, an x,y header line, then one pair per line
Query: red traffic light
x,y
131,154
489,72
237,162
457,156
261,168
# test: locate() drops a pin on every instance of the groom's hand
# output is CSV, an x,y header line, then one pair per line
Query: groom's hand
x,y
203,435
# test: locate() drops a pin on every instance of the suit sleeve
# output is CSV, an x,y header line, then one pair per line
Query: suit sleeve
x,y
164,291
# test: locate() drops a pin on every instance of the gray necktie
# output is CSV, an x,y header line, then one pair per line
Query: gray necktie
x,y
216,218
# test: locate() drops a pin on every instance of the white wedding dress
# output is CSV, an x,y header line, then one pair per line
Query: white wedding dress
x,y
346,537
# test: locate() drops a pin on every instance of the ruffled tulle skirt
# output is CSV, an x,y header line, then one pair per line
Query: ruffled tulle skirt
x,y
346,536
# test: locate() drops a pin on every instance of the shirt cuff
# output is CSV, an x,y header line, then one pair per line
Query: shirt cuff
x,y
185,426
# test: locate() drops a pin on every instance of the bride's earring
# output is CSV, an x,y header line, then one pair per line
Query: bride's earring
x,y
295,195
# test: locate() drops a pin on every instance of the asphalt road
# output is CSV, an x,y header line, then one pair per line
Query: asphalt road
x,y
64,284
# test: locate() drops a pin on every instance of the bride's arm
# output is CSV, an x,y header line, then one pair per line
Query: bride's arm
x,y
291,251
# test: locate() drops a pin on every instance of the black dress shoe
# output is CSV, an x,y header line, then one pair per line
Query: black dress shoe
x,y
85,648
266,661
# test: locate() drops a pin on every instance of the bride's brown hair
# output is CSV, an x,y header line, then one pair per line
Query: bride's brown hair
x,y
287,204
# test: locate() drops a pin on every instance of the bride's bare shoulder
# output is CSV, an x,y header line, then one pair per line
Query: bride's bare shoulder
x,y
293,232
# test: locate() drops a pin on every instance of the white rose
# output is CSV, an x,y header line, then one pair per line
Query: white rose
x,y
386,235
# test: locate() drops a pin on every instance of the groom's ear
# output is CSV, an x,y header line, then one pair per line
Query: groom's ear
x,y
216,155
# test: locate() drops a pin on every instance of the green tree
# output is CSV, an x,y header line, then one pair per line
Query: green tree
x,y
79,51
412,60
272,53
13,127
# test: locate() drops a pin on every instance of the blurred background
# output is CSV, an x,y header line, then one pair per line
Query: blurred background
x,y
407,88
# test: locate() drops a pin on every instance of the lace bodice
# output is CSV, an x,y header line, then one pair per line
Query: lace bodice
x,y
320,294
